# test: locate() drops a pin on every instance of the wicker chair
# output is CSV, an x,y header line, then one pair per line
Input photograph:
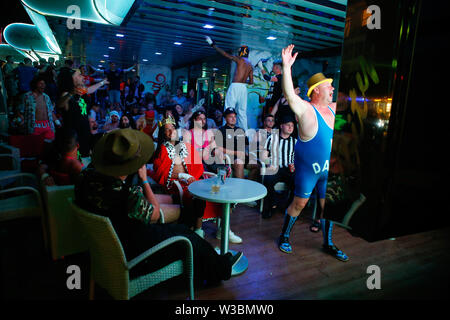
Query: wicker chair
x,y
64,232
19,197
9,160
109,267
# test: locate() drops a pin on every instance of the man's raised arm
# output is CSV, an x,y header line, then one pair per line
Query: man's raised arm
x,y
221,51
130,68
97,70
298,105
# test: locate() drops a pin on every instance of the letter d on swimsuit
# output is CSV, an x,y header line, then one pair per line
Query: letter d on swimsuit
x,y
309,156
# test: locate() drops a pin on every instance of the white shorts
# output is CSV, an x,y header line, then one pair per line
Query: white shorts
x,y
237,98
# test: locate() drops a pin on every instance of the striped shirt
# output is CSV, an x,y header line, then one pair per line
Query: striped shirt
x,y
281,151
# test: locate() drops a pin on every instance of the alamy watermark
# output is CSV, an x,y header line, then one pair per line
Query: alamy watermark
x,y
374,20
74,280
374,280
74,21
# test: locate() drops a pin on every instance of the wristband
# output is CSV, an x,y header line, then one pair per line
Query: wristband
x,y
184,176
210,41
144,182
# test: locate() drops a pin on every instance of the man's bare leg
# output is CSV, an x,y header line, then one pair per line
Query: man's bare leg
x,y
315,227
171,212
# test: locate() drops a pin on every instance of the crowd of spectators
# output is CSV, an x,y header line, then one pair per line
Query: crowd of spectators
x,y
47,97
74,107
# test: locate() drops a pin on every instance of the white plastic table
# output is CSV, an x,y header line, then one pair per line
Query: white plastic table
x,y
233,191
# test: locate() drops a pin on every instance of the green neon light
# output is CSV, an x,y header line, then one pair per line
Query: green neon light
x,y
42,26
394,63
7,50
113,11
339,122
98,11
62,8
24,36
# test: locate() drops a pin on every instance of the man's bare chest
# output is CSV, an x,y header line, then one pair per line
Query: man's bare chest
x,y
41,107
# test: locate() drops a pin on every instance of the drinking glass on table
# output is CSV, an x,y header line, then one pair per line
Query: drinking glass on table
x,y
215,186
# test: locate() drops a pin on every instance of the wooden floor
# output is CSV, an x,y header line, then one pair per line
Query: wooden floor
x,y
412,267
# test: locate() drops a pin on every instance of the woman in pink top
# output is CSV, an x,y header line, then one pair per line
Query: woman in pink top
x,y
202,140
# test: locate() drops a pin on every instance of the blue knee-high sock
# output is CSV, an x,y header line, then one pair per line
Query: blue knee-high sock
x,y
327,230
287,225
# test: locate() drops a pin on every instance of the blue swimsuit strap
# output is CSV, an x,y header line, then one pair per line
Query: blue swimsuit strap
x,y
331,111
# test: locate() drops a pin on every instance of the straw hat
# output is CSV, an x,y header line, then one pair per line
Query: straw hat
x,y
122,152
316,80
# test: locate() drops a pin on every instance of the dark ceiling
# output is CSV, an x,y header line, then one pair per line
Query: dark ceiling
x,y
154,25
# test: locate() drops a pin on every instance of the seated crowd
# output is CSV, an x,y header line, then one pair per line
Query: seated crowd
x,y
109,139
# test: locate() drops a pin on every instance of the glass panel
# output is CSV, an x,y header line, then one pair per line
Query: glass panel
x,y
361,160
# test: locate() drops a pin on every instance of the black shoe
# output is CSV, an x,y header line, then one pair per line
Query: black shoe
x,y
235,259
266,214
284,245
335,252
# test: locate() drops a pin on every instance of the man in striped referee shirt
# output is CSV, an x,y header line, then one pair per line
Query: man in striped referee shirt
x,y
280,152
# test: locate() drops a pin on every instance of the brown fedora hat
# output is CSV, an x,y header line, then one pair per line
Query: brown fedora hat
x,y
122,152
316,80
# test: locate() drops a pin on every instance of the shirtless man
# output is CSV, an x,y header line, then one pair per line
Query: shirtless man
x,y
236,97
312,150
38,111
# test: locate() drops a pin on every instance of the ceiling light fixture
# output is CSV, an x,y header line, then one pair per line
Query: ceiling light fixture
x,y
106,55
120,35
112,48
158,53
177,43
208,26
145,60
271,38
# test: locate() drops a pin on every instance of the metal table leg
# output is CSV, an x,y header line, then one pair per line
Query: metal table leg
x,y
225,228
242,265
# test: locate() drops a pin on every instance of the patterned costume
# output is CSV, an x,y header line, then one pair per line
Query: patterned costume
x,y
163,163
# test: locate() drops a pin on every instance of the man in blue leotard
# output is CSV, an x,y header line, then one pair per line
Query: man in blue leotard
x,y
312,150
